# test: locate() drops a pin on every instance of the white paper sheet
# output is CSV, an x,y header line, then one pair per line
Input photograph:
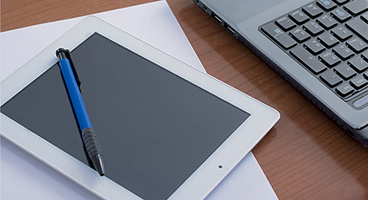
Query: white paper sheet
x,y
25,177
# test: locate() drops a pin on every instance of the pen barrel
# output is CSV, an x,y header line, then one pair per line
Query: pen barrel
x,y
91,143
74,94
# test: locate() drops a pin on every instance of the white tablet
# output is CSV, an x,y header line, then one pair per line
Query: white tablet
x,y
167,130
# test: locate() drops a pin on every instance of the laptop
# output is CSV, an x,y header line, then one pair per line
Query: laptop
x,y
320,47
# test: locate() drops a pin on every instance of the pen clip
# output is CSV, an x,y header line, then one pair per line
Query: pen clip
x,y
67,54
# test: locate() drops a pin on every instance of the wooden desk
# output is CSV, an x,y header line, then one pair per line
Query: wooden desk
x,y
305,156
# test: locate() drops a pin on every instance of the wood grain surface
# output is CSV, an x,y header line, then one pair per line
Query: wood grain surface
x,y
305,156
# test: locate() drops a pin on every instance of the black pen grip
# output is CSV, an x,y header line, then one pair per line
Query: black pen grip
x,y
91,143
93,149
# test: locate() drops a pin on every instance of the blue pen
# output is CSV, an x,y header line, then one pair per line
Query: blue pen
x,y
88,134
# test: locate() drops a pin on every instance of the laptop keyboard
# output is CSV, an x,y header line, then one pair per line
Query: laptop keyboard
x,y
330,39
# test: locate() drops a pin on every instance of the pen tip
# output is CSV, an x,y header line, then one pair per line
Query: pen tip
x,y
99,164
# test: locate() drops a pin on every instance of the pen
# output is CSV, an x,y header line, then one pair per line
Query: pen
x,y
85,126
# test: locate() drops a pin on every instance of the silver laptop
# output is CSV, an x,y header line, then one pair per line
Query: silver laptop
x,y
320,47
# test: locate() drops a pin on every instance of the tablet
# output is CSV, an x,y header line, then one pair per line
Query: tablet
x,y
166,130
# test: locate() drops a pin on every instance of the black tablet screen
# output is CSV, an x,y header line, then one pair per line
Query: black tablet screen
x,y
155,128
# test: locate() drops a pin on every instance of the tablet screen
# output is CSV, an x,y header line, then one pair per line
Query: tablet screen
x,y
155,128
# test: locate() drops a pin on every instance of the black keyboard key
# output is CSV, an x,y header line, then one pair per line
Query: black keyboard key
x,y
365,55
314,46
344,89
366,75
345,71
340,2
326,4
343,51
341,33
364,17
285,23
359,27
358,64
308,60
279,36
326,21
357,7
313,28
329,59
357,45
299,35
330,78
340,14
299,17
358,82
312,10
327,39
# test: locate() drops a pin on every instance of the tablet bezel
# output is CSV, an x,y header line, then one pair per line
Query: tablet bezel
x,y
202,181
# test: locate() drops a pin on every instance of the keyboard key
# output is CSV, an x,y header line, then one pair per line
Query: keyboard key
x,y
364,17
340,14
330,78
314,46
344,89
308,60
358,82
343,52
345,71
328,40
341,33
326,21
366,75
340,2
299,17
359,27
299,35
329,59
365,55
285,23
326,4
312,10
357,45
279,36
313,28
361,102
358,64
357,7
